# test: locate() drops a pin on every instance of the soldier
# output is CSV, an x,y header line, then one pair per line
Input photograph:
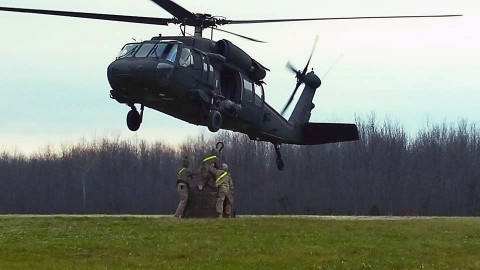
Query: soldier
x,y
184,179
208,160
229,207
223,181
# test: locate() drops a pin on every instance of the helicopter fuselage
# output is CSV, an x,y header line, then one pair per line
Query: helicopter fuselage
x,y
186,77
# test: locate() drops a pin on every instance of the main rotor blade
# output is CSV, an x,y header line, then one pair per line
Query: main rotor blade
x,y
292,68
291,97
310,58
97,16
176,10
335,18
238,35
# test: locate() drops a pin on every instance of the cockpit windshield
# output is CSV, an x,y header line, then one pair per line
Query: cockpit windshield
x,y
164,50
128,50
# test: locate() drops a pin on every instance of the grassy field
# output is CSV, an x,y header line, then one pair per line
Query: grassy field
x,y
133,242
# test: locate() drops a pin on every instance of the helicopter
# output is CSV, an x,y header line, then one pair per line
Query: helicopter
x,y
212,83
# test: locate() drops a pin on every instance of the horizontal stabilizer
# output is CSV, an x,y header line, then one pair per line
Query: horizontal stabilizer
x,y
320,133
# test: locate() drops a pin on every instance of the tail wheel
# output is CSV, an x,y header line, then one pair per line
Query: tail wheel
x,y
214,120
133,120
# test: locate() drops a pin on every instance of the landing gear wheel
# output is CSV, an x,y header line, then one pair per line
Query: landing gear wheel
x,y
133,120
214,121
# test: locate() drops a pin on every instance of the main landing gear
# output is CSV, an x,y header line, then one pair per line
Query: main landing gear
x,y
214,120
280,164
134,118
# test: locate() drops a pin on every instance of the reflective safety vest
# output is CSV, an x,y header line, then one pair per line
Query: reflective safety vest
x,y
209,158
220,177
184,176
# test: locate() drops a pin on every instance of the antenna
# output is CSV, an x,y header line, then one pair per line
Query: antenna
x,y
331,67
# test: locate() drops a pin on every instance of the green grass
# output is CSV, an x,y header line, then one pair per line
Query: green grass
x,y
130,242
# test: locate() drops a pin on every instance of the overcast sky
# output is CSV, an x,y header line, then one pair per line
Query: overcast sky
x,y
54,90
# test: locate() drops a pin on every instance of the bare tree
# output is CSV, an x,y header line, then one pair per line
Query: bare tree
x,y
434,172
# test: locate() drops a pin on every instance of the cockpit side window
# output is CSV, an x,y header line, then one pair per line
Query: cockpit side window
x,y
186,58
172,53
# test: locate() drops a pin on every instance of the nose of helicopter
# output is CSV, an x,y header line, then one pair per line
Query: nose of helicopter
x,y
133,75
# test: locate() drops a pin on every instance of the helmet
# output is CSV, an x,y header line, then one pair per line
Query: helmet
x,y
224,167
185,162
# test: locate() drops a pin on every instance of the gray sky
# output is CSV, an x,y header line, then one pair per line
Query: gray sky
x,y
54,88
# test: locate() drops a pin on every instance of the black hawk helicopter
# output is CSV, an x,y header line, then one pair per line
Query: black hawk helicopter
x,y
212,83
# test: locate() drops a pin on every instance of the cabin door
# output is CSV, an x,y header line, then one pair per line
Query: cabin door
x,y
252,102
190,63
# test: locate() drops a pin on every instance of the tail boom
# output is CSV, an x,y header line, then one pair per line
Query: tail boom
x,y
321,133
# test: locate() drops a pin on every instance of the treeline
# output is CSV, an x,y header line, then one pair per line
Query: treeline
x,y
386,172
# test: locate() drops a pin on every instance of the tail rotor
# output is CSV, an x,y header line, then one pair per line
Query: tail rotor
x,y
299,75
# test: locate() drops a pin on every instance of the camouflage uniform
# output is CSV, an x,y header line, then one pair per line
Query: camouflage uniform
x,y
184,179
229,207
225,196
208,161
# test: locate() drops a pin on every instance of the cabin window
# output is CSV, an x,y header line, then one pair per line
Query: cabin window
x,y
186,58
258,95
247,90
144,50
